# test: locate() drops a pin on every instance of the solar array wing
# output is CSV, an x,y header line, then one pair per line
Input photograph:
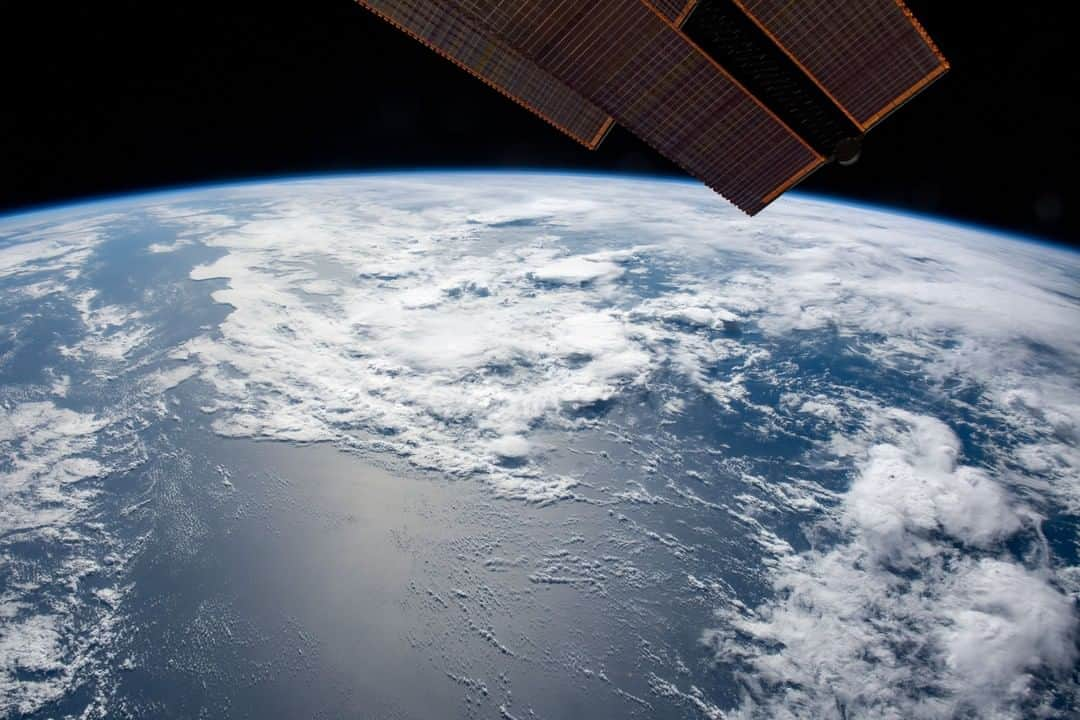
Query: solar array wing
x,y
457,36
869,56
829,68
631,60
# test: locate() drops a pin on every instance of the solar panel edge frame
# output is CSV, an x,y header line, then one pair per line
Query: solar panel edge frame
x,y
803,173
689,8
922,33
601,134
590,144
941,68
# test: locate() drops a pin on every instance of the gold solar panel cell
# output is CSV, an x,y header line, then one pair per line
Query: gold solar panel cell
x,y
629,58
459,37
869,56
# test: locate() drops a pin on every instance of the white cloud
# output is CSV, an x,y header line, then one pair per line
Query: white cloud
x,y
897,620
48,449
510,446
32,646
49,247
428,334
49,633
913,486
1006,621
576,270
112,332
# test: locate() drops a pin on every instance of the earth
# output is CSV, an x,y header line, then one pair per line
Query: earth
x,y
533,446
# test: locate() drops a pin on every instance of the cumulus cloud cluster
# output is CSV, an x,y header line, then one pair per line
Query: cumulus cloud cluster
x,y
434,335
920,611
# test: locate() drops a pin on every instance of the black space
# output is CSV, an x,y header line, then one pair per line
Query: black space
x,y
108,97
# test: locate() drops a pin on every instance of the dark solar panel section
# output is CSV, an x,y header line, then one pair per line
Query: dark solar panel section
x,y
631,61
870,56
450,32
732,39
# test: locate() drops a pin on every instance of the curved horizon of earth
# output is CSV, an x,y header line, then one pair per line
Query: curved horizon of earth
x,y
532,445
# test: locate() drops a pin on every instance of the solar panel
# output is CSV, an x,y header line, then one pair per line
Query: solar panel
x,y
733,40
632,62
455,35
789,84
869,56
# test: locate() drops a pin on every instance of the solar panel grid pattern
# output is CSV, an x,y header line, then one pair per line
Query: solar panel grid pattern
x,y
635,65
868,55
456,36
